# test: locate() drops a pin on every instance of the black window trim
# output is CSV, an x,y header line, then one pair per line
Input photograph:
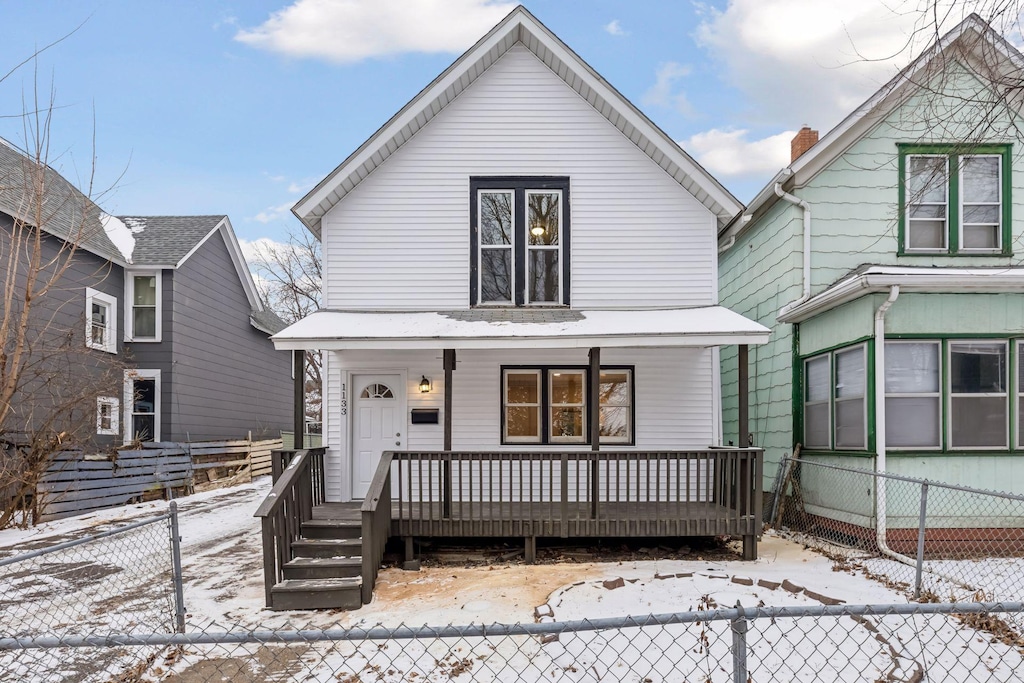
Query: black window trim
x,y
545,405
518,185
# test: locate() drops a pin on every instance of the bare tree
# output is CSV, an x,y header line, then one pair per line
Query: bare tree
x,y
289,278
50,375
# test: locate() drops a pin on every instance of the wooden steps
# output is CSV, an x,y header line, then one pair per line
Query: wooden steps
x,y
326,569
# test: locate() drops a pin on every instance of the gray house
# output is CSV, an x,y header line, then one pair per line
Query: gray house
x,y
167,299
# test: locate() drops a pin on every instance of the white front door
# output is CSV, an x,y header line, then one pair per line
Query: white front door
x,y
378,425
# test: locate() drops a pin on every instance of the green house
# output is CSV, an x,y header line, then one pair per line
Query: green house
x,y
886,259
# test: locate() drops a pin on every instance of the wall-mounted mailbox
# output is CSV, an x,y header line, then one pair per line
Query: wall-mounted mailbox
x,y
425,416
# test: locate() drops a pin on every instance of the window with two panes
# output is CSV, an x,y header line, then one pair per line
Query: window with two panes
x,y
520,230
952,202
549,405
835,409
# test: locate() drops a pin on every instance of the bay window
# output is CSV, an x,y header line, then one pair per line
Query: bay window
x,y
913,402
978,395
835,406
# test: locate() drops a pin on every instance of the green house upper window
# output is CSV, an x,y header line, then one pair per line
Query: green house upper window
x,y
954,200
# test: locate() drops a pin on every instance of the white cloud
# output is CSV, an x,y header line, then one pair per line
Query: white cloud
x,y
347,31
273,213
300,187
663,93
614,28
816,60
252,249
729,153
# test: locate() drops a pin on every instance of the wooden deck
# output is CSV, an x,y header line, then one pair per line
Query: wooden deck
x,y
529,519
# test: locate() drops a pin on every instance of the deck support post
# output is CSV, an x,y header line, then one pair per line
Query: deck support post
x,y
410,563
530,550
299,385
594,423
750,547
744,396
446,468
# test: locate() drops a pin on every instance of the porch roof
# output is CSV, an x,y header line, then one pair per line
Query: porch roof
x,y
489,328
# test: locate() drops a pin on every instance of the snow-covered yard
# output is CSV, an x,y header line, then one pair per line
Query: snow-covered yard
x,y
224,590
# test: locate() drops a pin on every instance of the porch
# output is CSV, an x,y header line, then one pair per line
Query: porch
x,y
320,554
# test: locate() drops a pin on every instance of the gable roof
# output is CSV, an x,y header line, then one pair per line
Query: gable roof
x,y
169,241
973,40
65,211
519,27
166,240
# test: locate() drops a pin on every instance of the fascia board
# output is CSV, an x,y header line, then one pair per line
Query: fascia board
x,y
623,341
949,281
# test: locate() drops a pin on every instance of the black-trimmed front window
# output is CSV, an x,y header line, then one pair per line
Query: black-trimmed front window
x,y
519,241
550,405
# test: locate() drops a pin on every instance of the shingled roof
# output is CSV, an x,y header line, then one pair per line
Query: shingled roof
x,y
166,240
65,211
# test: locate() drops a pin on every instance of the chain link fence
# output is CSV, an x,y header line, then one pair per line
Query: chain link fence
x,y
911,642
935,541
126,580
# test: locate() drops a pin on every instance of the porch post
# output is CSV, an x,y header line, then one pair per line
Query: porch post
x,y
446,470
299,385
594,422
744,397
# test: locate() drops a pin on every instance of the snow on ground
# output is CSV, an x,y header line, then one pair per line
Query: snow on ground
x,y
222,566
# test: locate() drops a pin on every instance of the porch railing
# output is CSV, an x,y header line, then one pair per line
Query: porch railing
x,y
567,494
298,488
376,516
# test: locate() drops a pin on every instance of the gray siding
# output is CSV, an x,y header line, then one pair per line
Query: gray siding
x,y
159,355
228,379
58,316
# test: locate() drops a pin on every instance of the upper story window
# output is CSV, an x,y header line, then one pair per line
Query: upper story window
x,y
519,241
143,315
954,202
100,321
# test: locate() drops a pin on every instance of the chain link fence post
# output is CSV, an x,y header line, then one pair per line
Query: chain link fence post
x,y
739,627
179,590
920,540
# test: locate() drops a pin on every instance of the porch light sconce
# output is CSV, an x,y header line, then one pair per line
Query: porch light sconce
x,y
425,385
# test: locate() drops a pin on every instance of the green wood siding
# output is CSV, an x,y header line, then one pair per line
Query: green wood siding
x,y
840,326
759,275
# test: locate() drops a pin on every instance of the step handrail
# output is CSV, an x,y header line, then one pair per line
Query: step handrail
x,y
376,514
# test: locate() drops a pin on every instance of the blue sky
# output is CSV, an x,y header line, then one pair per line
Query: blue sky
x,y
240,106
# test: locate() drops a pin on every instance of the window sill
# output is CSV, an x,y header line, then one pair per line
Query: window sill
x,y
958,254
104,349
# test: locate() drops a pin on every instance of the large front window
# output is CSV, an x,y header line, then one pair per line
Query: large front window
x,y
550,405
954,202
519,237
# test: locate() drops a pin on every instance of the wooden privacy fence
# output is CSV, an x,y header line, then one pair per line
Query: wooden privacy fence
x,y
77,482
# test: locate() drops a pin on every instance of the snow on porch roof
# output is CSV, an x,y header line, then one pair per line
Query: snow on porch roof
x,y
483,328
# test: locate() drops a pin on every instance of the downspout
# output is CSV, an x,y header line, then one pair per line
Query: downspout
x,y
880,482
792,199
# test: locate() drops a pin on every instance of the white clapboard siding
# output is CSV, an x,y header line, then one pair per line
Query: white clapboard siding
x,y
675,405
400,239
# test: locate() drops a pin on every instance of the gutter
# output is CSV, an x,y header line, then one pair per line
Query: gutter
x,y
792,199
880,482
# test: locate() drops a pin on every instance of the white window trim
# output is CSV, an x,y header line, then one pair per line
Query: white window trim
x,y
863,398
999,205
129,400
129,307
539,406
552,406
115,415
934,394
480,247
827,401
949,395
110,334
529,248
944,249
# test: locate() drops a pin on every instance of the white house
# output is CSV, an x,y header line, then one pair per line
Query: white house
x,y
520,263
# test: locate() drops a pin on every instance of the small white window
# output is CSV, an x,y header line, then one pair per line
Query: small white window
x,y
522,406
100,321
142,319
568,414
108,421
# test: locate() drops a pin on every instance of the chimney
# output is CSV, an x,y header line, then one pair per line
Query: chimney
x,y
803,141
